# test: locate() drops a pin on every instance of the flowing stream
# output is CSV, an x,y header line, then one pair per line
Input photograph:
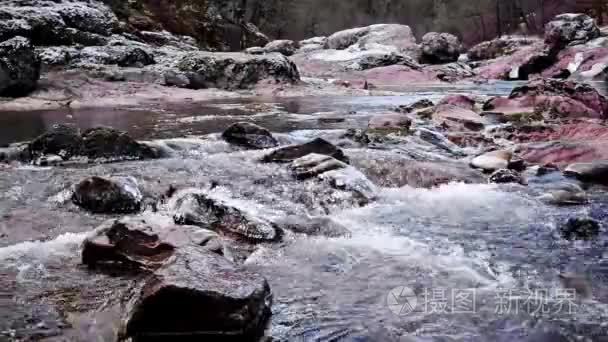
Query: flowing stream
x,y
483,261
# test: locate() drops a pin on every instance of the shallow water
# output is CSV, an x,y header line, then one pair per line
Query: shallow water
x,y
498,245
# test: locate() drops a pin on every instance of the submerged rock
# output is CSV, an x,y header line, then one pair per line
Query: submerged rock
x,y
200,295
61,140
291,153
315,226
570,29
249,135
440,48
235,70
19,67
143,242
580,229
314,164
105,142
506,176
108,195
219,212
492,161
595,172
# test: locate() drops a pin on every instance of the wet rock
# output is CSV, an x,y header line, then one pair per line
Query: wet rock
x,y
521,65
318,146
580,229
506,176
570,29
492,161
235,70
19,67
61,140
440,48
249,135
218,211
452,72
389,123
368,60
565,194
255,50
143,242
104,142
48,160
502,46
190,281
108,195
314,164
285,47
418,105
315,226
313,44
553,99
135,57
461,101
438,140
15,152
595,172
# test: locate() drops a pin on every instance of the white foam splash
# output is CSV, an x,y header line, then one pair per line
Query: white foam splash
x,y
23,253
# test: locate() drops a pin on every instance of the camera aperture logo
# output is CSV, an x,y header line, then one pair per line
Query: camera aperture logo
x,y
401,300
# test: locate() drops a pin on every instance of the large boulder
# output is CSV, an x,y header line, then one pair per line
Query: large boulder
x,y
400,37
318,146
521,65
143,242
19,67
596,172
498,47
570,29
249,135
109,143
440,48
218,211
108,195
235,70
61,140
492,161
284,46
200,295
552,98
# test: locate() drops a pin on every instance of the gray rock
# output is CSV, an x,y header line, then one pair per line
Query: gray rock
x,y
400,37
236,70
206,296
61,140
319,146
143,242
19,67
315,226
595,172
565,194
492,161
255,50
312,165
570,29
502,46
108,143
249,135
440,48
218,211
285,47
108,195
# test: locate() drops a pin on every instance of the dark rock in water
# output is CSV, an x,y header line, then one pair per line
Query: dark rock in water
x,y
145,243
596,172
19,67
109,143
291,153
580,229
62,140
506,176
217,211
518,165
357,135
315,226
421,104
440,48
198,296
236,70
249,135
16,152
102,195
570,29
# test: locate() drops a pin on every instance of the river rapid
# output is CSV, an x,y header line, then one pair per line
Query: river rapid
x,y
458,262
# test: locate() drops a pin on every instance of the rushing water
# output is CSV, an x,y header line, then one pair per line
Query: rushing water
x,y
483,261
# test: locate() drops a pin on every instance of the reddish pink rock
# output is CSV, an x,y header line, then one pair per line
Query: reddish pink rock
x,y
461,101
576,60
390,122
554,98
455,118
520,65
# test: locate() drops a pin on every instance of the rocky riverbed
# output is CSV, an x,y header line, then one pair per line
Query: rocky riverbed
x,y
365,186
